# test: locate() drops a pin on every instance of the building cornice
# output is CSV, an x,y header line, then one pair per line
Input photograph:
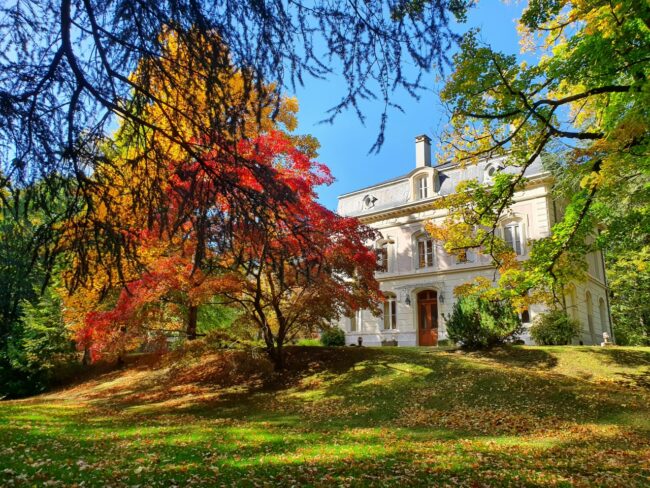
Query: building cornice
x,y
431,203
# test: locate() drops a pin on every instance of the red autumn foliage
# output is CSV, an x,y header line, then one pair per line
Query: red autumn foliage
x,y
243,223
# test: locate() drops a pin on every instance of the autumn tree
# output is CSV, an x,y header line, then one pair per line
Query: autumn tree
x,y
303,266
579,101
73,70
67,65
296,266
151,210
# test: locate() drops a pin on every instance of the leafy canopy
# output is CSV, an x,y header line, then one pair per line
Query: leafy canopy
x,y
579,101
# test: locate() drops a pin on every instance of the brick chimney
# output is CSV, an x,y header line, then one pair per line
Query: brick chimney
x,y
422,151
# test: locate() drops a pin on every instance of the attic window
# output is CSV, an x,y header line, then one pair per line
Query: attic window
x,y
491,171
369,201
423,188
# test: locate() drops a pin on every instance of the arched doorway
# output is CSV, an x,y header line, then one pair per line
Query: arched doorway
x,y
428,318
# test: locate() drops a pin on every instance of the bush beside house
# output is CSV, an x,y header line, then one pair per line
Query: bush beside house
x,y
479,324
554,328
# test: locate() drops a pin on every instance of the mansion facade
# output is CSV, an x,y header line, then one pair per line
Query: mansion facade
x,y
418,277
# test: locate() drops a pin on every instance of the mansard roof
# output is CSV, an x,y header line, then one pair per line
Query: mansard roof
x,y
397,192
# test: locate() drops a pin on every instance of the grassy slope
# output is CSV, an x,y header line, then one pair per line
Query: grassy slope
x,y
381,417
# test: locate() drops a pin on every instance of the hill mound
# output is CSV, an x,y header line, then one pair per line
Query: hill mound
x,y
353,416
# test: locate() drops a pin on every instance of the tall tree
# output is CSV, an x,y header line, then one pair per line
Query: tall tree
x,y
31,226
66,64
581,105
303,266
298,266
67,77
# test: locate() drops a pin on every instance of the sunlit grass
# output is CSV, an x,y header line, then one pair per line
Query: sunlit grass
x,y
412,417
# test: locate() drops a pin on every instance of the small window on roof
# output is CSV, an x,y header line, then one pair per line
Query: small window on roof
x,y
423,188
491,171
369,201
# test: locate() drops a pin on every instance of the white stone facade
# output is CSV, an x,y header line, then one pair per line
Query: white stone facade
x,y
399,208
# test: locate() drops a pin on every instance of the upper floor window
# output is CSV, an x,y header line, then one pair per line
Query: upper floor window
x,y
425,252
390,312
513,235
465,256
382,257
423,187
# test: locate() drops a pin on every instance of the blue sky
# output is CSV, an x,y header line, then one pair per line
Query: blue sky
x,y
345,144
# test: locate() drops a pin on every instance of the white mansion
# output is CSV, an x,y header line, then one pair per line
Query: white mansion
x,y
419,277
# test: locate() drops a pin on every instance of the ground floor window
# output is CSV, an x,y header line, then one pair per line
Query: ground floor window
x,y
390,312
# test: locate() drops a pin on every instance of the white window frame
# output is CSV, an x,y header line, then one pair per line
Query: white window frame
x,y
517,241
355,321
470,257
423,187
590,315
383,251
429,254
389,318
604,319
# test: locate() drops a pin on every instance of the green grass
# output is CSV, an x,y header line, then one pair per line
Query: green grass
x,y
529,416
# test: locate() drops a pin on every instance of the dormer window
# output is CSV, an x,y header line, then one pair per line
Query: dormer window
x,y
369,201
491,171
423,188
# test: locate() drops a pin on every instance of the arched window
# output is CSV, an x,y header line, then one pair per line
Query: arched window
x,y
382,257
390,312
602,309
425,252
590,316
525,317
423,187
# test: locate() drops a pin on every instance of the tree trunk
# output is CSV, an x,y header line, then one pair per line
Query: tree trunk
x,y
192,318
85,360
277,357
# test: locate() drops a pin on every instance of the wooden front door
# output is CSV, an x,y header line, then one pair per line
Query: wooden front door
x,y
428,318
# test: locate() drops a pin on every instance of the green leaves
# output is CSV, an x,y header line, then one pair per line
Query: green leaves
x,y
580,102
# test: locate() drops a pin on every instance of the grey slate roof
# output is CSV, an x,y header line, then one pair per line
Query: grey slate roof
x,y
449,176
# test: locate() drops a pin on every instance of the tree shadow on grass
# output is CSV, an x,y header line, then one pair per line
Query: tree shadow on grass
x,y
520,357
259,454
624,357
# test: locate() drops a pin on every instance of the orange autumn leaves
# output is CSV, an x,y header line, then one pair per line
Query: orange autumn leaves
x,y
297,241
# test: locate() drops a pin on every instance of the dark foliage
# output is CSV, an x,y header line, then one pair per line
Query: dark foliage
x,y
66,80
477,323
333,337
554,328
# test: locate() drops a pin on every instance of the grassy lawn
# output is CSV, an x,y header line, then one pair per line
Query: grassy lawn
x,y
528,416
